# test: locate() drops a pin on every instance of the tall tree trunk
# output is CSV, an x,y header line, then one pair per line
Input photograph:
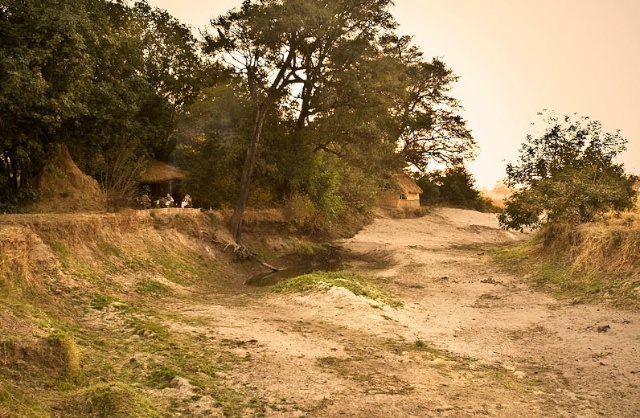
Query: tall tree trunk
x,y
236,219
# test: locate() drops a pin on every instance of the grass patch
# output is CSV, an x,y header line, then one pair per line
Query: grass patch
x,y
162,376
152,287
53,361
147,328
100,301
180,267
563,272
110,400
426,349
66,352
62,251
108,249
21,403
322,281
371,381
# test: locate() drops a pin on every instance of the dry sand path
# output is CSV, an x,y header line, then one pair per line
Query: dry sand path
x,y
469,340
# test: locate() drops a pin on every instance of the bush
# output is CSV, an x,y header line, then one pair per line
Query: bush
x,y
453,187
567,175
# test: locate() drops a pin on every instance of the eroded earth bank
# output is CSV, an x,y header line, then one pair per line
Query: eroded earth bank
x,y
462,338
468,339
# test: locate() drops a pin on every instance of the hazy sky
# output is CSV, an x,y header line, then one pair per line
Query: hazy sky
x,y
516,58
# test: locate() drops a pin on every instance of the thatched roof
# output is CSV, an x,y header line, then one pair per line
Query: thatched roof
x,y
159,172
64,188
406,184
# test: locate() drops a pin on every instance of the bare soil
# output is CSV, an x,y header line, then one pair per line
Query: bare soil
x,y
164,324
468,340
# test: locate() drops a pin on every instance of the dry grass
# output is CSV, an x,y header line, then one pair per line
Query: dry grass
x,y
596,261
83,328
110,399
612,248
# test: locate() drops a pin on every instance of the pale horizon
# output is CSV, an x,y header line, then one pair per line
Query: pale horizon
x,y
514,59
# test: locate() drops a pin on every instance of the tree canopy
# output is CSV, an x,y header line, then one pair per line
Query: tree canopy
x,y
103,77
320,99
567,174
343,84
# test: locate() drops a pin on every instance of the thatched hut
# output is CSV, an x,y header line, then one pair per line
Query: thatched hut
x,y
64,187
404,193
161,178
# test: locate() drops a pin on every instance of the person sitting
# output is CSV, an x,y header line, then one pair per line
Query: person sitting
x,y
144,201
186,202
168,201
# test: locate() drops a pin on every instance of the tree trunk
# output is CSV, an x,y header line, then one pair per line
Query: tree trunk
x,y
236,219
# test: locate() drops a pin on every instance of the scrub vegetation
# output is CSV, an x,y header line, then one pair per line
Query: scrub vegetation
x,y
590,262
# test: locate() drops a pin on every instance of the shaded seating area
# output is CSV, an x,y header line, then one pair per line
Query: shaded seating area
x,y
161,179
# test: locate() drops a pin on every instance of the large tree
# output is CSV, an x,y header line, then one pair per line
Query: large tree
x,y
567,173
427,117
283,49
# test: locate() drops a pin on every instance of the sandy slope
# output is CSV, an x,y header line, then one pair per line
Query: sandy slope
x,y
468,341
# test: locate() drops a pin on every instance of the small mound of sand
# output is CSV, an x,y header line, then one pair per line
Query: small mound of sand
x,y
64,188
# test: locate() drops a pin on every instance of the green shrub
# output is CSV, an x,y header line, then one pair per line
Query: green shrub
x,y
567,175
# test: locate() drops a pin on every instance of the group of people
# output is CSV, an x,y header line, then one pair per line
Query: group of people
x,y
165,202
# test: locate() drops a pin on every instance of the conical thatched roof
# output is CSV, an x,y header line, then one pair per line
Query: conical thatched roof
x,y
159,172
406,184
64,188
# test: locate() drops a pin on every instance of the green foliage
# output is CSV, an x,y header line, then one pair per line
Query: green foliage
x,y
12,201
331,194
300,210
567,175
211,142
430,188
44,71
346,87
426,116
324,193
455,187
103,77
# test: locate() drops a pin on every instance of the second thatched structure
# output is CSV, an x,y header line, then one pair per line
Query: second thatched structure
x,y
403,193
162,178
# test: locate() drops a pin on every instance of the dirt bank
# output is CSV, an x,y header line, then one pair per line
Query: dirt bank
x,y
464,340
469,340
